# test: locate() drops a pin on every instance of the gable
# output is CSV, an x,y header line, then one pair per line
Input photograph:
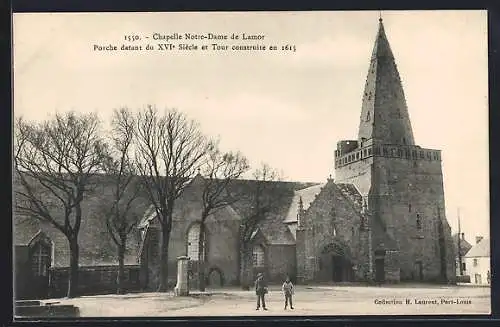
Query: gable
x,y
481,249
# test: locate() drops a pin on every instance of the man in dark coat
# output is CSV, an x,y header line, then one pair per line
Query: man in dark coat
x,y
260,290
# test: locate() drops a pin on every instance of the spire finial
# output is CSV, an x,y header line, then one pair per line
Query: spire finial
x,y
380,16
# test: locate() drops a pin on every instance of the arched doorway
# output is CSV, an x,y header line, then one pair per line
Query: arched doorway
x,y
336,263
215,278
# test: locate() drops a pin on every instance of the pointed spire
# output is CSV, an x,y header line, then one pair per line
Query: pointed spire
x,y
384,114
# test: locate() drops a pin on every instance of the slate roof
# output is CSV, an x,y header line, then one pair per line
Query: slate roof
x,y
96,247
481,249
308,195
280,196
464,245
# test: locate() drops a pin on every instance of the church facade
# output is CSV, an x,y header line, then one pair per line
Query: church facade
x,y
382,218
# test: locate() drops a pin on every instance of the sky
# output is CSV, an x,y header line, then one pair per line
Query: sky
x,y
285,108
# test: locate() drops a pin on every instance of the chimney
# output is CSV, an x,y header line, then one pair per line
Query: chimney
x,y
478,239
463,236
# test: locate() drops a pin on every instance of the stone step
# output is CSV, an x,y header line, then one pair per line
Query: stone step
x,y
28,303
44,311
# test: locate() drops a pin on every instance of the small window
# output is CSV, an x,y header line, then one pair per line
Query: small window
x,y
463,266
370,152
409,207
258,256
474,262
368,116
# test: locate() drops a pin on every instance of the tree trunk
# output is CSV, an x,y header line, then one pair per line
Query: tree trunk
x,y
201,258
73,267
121,266
163,282
245,272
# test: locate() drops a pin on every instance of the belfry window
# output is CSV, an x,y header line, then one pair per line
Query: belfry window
x,y
368,116
419,222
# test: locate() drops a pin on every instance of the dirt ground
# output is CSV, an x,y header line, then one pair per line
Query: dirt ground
x,y
312,300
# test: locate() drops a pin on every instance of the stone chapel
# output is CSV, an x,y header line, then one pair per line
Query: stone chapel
x,y
380,219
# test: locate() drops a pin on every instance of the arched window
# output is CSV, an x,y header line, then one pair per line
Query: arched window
x,y
193,238
258,256
40,260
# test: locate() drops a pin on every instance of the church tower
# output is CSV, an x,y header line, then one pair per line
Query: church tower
x,y
401,182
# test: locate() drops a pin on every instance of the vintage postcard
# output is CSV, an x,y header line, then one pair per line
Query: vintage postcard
x,y
251,164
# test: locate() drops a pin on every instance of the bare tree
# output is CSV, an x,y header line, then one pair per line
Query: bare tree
x,y
169,150
218,172
55,162
121,216
264,198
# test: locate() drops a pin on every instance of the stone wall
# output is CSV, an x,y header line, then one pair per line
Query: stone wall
x,y
300,248
281,262
94,280
221,239
358,173
405,194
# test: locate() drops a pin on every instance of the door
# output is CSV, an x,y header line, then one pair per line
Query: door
x,y
379,270
215,279
337,268
419,269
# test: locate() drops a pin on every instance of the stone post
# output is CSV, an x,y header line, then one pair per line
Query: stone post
x,y
182,289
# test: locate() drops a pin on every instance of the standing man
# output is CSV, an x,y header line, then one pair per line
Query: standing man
x,y
260,291
288,292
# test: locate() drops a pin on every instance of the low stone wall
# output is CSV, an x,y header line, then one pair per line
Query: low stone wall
x,y
94,280
45,311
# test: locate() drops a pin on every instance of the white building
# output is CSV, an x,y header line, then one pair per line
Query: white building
x,y
477,261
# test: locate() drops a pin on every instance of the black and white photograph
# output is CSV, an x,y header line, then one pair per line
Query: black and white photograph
x,y
306,163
